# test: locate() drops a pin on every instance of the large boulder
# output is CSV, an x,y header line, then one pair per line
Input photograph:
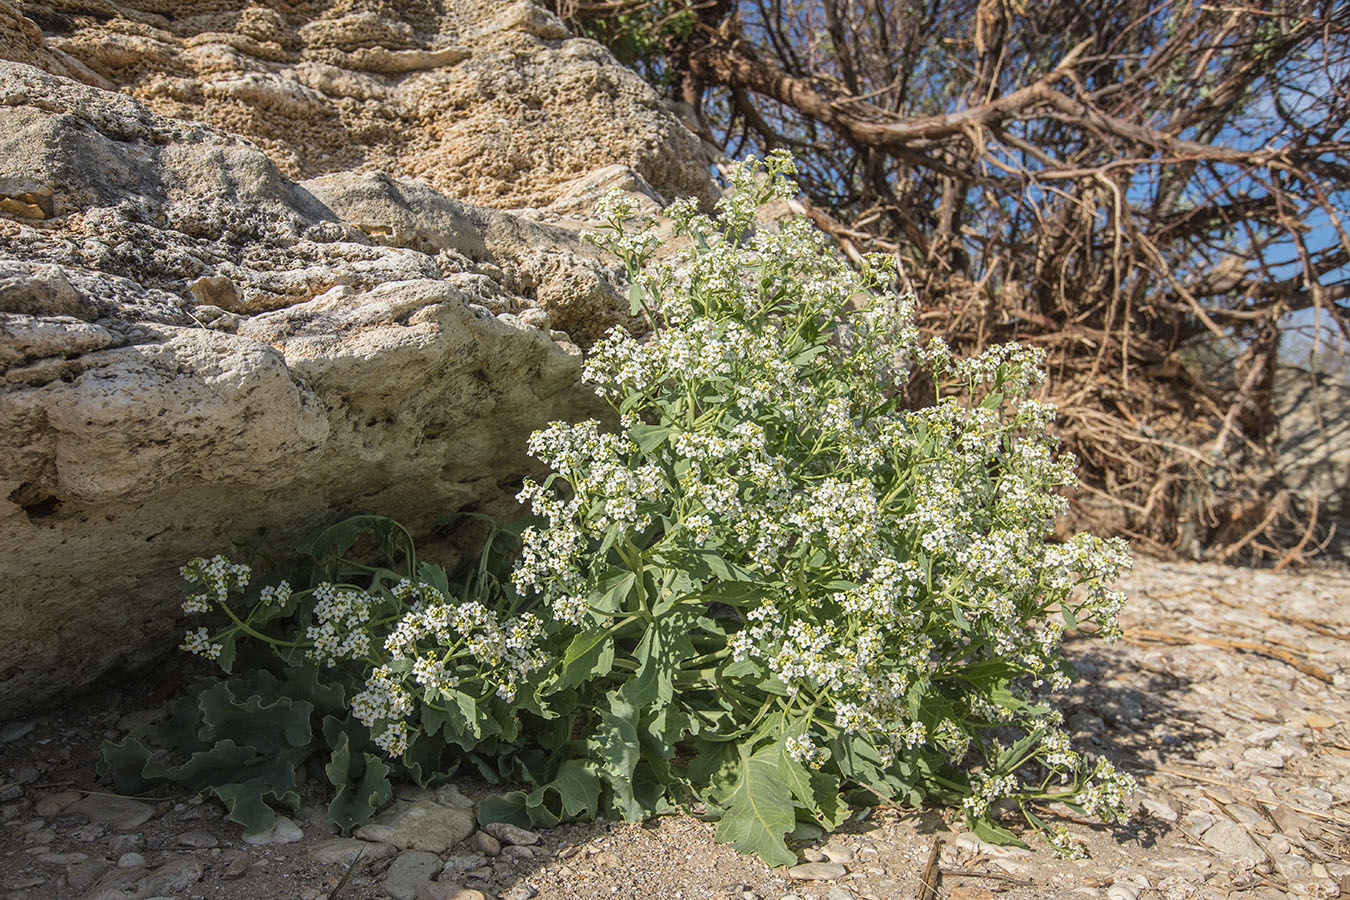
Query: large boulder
x,y
486,100
198,354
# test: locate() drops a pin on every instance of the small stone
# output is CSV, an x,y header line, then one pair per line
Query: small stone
x,y
409,869
283,831
344,851
24,774
125,843
41,837
89,833
131,860
838,893
1261,756
421,825
838,854
82,874
817,871
1291,821
1291,866
463,863
118,813
171,877
449,795
811,854
445,890
511,834
517,852
15,729
48,805
1122,890
197,840
1159,809
486,844
1229,840
520,892
1197,822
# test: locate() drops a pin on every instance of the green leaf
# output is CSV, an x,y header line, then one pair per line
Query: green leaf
x,y
995,834
617,749
590,655
362,782
648,437
760,811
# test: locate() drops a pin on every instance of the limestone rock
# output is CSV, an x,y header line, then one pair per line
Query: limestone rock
x,y
422,825
118,813
344,851
338,371
283,831
410,869
488,100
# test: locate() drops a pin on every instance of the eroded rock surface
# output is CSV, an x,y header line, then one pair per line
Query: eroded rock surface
x,y
198,354
487,100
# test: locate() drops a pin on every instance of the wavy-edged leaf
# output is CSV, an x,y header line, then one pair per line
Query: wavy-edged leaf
x,y
760,809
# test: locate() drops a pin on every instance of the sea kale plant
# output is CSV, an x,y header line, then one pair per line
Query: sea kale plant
x,y
769,587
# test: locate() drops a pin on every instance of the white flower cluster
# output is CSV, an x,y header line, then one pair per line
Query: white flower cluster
x,y
805,751
217,577
987,790
435,644
900,549
199,642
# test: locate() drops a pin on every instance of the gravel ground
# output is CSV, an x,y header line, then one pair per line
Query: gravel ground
x,y
1227,699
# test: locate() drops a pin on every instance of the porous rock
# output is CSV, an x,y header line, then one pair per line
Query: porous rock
x,y
422,825
339,373
489,101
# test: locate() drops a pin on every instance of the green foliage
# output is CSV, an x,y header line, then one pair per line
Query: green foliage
x,y
774,589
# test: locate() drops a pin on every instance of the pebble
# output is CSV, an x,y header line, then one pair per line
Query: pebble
x,y
1230,841
486,844
344,851
449,795
420,825
838,854
15,729
440,890
82,874
1159,809
1261,756
283,831
131,860
48,805
118,813
520,892
511,834
236,867
817,871
409,869
197,840
172,877
122,843
464,862
1122,890
517,852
